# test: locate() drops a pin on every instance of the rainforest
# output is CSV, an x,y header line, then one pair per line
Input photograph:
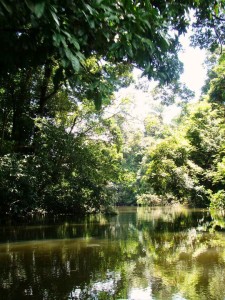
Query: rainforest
x,y
65,147
100,196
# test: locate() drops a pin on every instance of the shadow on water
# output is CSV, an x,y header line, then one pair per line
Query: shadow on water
x,y
141,253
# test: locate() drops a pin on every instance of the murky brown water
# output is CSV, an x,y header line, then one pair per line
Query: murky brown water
x,y
158,253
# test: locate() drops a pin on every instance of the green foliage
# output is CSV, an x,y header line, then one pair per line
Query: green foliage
x,y
66,175
175,92
195,173
218,200
216,91
154,127
209,24
17,184
205,132
219,174
131,32
59,61
149,200
189,163
64,153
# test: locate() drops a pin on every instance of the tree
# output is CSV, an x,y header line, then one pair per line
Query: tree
x,y
56,58
69,32
71,171
209,24
188,164
216,91
58,39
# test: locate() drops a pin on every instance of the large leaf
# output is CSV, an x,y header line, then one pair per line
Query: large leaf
x,y
36,8
55,17
39,9
6,6
75,63
73,59
75,43
30,5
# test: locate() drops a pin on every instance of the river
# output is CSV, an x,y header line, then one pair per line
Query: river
x,y
139,254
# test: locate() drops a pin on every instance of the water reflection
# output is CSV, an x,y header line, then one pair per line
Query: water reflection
x,y
139,254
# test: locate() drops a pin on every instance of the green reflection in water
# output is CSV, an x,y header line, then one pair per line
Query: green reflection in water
x,y
142,253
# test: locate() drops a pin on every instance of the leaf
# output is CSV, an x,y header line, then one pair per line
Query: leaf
x,y
75,63
57,38
64,63
72,40
73,59
130,51
30,5
39,9
89,8
99,2
75,43
149,43
53,8
55,17
80,56
216,9
147,23
91,23
6,6
68,53
148,5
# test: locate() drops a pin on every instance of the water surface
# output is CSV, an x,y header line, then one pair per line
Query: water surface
x,y
142,253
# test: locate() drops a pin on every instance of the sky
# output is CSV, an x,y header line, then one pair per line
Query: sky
x,y
194,72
